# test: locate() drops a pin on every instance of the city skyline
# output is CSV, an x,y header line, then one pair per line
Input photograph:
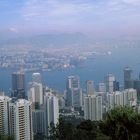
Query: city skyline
x,y
69,69
43,107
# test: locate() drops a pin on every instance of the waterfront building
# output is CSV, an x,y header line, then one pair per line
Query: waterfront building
x,y
109,79
36,77
18,85
73,92
102,87
35,94
128,81
90,87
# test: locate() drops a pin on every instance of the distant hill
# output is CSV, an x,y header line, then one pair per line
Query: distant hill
x,y
45,40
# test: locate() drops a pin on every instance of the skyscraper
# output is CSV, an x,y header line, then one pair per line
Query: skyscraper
x,y
127,97
127,73
128,81
110,101
38,121
73,82
20,120
118,98
102,87
16,118
35,91
93,107
131,97
18,85
73,92
137,87
116,86
51,111
90,87
110,78
35,94
36,77
4,105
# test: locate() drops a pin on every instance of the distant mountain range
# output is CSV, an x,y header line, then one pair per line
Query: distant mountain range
x,y
45,40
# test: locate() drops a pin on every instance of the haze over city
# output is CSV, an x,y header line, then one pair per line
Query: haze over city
x,y
99,18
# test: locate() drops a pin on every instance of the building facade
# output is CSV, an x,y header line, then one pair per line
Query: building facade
x,y
18,85
51,111
20,120
93,107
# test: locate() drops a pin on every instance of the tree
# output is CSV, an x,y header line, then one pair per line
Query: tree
x,y
120,123
52,132
10,138
64,130
89,129
6,137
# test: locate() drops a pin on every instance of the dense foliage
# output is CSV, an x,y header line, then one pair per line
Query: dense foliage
x,y
121,123
6,137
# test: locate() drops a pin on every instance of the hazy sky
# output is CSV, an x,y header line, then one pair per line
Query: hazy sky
x,y
90,16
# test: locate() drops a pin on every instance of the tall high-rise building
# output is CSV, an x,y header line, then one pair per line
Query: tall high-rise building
x,y
137,87
76,98
99,108
51,111
73,92
4,106
116,86
35,94
131,97
110,78
38,121
110,101
61,99
102,87
90,87
127,73
128,81
93,107
2,93
20,120
73,82
127,97
18,85
118,99
36,77
16,118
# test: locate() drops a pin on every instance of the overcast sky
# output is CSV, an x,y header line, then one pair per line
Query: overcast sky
x,y
89,16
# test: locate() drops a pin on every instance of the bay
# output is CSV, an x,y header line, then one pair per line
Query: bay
x,y
95,69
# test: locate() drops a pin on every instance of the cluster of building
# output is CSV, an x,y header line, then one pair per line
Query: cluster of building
x,y
34,60
95,102
25,114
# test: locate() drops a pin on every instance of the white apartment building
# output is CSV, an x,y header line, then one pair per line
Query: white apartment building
x,y
93,107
